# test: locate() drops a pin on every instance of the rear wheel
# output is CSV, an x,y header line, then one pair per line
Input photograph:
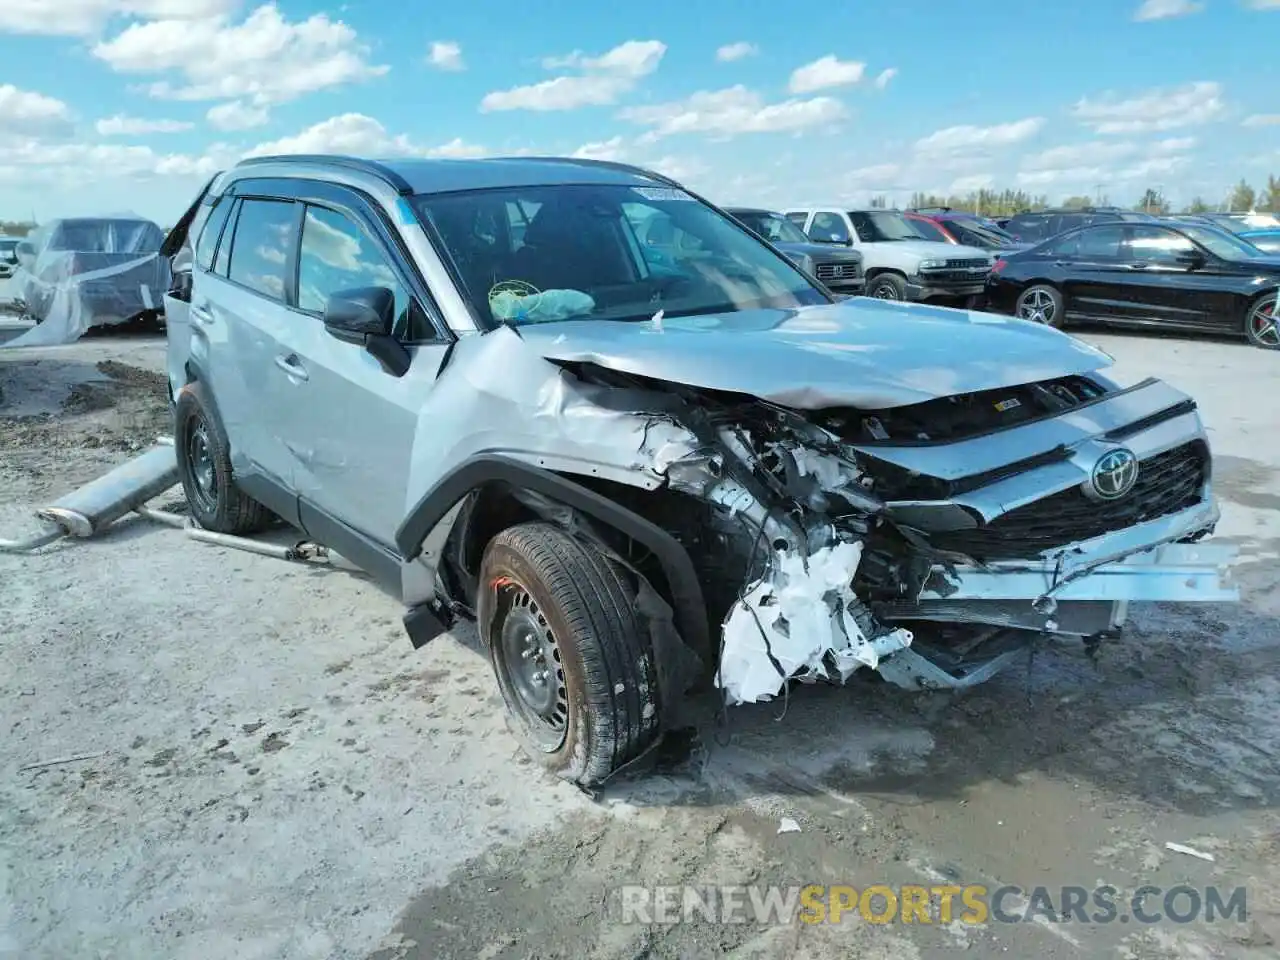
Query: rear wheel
x,y
1041,304
204,465
887,286
1262,324
572,659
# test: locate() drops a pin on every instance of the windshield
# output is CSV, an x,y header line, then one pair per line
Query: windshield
x,y
883,225
773,227
606,252
106,236
977,235
1220,243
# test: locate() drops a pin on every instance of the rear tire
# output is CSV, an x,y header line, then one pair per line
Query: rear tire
x,y
572,659
1262,322
887,286
204,464
1041,303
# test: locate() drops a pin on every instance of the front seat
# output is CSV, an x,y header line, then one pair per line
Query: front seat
x,y
568,246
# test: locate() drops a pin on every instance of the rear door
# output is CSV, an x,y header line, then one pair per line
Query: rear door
x,y
350,426
1091,271
237,309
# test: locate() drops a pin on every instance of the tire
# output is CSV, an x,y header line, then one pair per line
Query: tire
x,y
1262,322
204,464
1041,303
887,286
596,707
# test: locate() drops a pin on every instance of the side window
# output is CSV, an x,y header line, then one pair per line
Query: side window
x,y
828,228
262,245
1031,228
337,254
1156,245
208,242
223,259
798,217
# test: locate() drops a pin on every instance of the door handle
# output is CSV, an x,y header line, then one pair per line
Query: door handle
x,y
200,315
1138,266
291,365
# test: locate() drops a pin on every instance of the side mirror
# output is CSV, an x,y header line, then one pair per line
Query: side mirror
x,y
365,317
1191,259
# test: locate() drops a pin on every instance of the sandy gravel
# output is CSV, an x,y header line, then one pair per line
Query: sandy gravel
x,y
275,773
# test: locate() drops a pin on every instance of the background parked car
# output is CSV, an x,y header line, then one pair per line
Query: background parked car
x,y
900,263
839,270
1265,238
8,256
1189,276
87,272
966,230
1035,226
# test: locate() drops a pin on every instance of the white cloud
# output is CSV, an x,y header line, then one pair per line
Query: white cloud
x,y
24,113
875,177
445,55
977,181
265,58
1262,119
74,18
1166,9
603,79
966,138
121,125
457,149
237,115
1158,109
611,149
35,162
824,73
732,111
355,133
1078,155
1264,4
680,169
884,76
736,51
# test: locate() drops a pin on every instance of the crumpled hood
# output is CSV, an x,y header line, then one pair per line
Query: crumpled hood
x,y
861,352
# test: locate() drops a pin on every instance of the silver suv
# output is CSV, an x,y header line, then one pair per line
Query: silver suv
x,y
645,474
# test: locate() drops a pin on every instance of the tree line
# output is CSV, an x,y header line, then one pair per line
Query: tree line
x,y
1243,198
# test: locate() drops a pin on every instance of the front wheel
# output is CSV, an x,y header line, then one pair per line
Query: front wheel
x,y
887,286
572,658
1040,304
1260,324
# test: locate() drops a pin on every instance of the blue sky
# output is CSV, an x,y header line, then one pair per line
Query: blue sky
x,y
115,105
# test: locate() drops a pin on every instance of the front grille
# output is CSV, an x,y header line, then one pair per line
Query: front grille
x,y
980,263
1167,483
837,271
951,276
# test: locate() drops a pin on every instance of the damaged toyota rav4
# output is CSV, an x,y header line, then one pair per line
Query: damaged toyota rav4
x,y
645,472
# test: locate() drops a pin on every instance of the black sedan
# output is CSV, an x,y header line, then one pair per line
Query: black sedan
x,y
1189,277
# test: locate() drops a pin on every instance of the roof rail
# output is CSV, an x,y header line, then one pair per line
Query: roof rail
x,y
370,167
608,164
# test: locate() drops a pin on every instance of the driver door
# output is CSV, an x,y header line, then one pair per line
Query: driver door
x,y
350,425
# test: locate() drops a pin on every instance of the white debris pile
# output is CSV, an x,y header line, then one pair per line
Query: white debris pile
x,y
797,620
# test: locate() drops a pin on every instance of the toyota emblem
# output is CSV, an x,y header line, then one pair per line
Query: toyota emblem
x,y
1114,474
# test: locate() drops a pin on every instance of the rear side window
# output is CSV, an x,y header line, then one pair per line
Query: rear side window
x,y
1096,243
207,245
1029,227
262,246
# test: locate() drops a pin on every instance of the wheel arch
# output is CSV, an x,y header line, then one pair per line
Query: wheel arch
x,y
498,491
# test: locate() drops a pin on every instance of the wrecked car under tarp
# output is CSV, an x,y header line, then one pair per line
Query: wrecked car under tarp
x,y
74,274
846,502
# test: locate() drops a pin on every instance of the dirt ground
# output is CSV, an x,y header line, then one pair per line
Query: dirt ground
x,y
270,771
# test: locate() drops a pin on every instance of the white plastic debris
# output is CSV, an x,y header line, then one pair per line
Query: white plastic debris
x,y
787,825
1189,851
793,621
656,320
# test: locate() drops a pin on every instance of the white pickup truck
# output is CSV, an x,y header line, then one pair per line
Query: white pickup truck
x,y
897,262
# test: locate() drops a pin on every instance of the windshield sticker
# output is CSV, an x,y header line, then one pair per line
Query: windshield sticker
x,y
661,193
